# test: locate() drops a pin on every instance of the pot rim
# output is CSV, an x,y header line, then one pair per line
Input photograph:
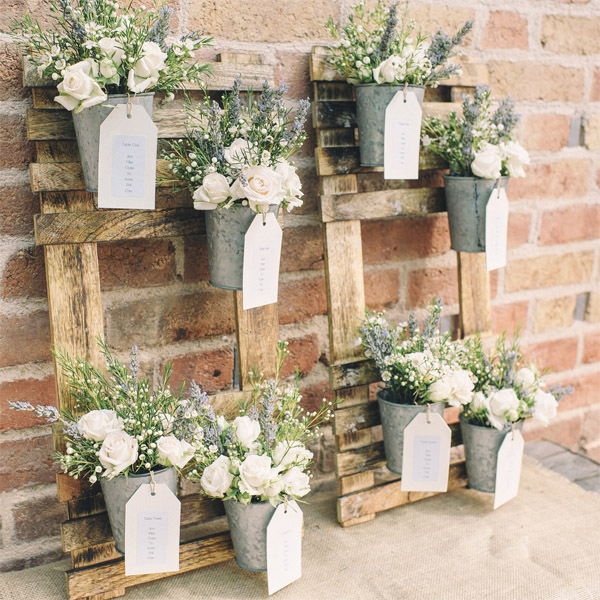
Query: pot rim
x,y
390,85
380,399
505,430
132,96
261,503
147,474
473,178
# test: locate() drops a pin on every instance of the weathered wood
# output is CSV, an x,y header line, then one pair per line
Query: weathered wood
x,y
93,555
472,74
362,519
71,489
240,58
359,459
354,483
333,90
382,205
338,184
353,373
353,396
352,440
336,138
115,593
321,70
85,506
354,418
375,182
56,152
474,293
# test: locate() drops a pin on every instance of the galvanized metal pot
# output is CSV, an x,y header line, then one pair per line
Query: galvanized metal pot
x,y
225,231
371,101
394,420
119,489
248,527
87,130
466,200
481,453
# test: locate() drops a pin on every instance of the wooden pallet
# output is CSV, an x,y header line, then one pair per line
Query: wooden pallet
x,y
348,195
70,227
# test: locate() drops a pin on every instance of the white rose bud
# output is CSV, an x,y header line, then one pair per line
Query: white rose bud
x,y
516,158
264,187
296,482
544,407
503,405
97,424
173,452
255,473
247,430
526,378
78,89
118,451
216,478
238,154
146,71
487,162
214,190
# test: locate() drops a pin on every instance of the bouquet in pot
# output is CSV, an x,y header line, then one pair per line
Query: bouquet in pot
x,y
100,48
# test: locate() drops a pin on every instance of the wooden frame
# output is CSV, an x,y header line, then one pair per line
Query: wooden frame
x,y
70,227
349,194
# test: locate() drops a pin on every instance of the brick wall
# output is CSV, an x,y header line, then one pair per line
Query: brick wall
x,y
544,53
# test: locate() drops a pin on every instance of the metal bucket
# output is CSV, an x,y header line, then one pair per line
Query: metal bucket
x,y
371,101
394,420
466,200
87,130
248,527
119,489
481,453
225,231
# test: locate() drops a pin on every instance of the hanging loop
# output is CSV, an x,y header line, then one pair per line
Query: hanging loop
x,y
405,90
152,484
428,413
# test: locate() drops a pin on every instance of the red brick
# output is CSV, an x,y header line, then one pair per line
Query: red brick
x,y
571,224
212,370
590,432
505,30
565,429
291,68
595,91
519,226
556,355
591,347
24,338
304,353
37,518
26,462
36,391
381,288
570,35
585,391
424,284
138,263
546,132
196,258
404,239
299,300
15,151
11,73
312,395
567,178
302,248
17,207
24,274
508,317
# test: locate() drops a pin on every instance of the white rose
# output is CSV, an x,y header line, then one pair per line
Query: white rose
x,y
389,70
97,424
291,183
216,478
264,187
275,485
110,48
516,158
461,385
440,390
526,378
544,407
107,68
296,482
247,430
487,162
146,70
503,406
78,89
479,402
173,452
214,189
238,154
287,454
118,451
255,473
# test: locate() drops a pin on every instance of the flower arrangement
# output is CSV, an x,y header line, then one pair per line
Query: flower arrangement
x,y
481,142
375,48
126,427
261,455
506,391
418,365
239,153
99,48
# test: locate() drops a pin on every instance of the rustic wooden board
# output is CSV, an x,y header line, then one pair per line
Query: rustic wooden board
x,y
474,293
350,374
338,184
342,137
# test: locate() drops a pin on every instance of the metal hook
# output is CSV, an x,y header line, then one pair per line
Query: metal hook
x,y
428,413
152,484
405,90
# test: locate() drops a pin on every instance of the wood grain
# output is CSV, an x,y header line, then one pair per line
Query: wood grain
x,y
359,459
353,373
474,293
341,137
338,184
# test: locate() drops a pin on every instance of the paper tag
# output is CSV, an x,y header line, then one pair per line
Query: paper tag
x,y
496,229
426,454
152,531
284,546
508,467
402,137
262,252
127,159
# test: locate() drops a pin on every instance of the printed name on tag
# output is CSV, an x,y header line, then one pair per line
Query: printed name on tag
x,y
496,229
152,531
284,546
262,253
402,137
508,467
426,454
127,159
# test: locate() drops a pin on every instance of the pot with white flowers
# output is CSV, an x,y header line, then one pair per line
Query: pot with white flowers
x,y
127,434
482,154
234,160
100,56
381,56
257,461
421,370
506,393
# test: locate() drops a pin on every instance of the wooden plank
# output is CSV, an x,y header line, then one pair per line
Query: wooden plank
x,y
338,184
375,182
362,519
57,152
353,396
85,506
325,91
354,483
321,70
360,459
92,555
70,489
336,138
108,576
353,373
351,440
354,418
240,58
473,293
382,205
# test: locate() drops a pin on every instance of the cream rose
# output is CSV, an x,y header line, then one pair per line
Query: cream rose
x,y
389,70
255,473
516,157
487,163
216,478
214,190
544,407
247,430
291,183
173,452
238,154
440,390
146,70
107,68
461,385
296,482
288,454
275,485
263,187
118,451
503,407
78,89
479,402
97,424
526,378
111,49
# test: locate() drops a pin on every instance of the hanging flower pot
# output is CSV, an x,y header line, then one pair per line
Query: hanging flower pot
x,y
87,130
118,490
466,200
225,232
371,101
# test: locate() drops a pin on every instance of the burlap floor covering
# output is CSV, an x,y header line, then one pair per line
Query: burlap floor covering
x,y
543,545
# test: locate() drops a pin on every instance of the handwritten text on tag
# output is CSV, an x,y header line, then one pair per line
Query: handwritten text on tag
x,y
496,229
508,467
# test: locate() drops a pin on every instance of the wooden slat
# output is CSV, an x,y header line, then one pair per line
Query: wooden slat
x,y
336,138
382,205
474,293
321,70
352,440
93,555
71,489
354,483
352,397
326,91
360,459
106,577
57,152
354,418
338,184
354,373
